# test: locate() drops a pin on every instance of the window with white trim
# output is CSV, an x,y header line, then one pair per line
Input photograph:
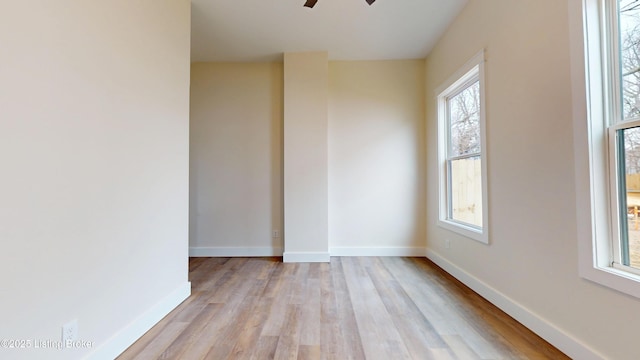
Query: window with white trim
x,y
624,131
461,149
612,50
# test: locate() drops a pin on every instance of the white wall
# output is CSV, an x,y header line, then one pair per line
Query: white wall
x,y
94,157
375,166
376,157
236,158
531,263
305,157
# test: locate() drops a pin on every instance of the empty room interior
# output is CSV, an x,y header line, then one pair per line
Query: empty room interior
x,y
152,148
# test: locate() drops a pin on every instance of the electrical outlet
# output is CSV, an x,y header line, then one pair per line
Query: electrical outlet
x,y
70,331
447,243
276,234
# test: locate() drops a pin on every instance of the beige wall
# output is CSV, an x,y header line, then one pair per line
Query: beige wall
x,y
305,156
532,256
375,158
236,158
94,103
376,155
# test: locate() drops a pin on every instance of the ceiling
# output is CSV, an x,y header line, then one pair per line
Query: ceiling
x,y
261,30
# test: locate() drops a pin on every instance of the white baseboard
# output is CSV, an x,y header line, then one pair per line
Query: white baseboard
x,y
119,342
546,330
234,251
277,251
377,251
297,257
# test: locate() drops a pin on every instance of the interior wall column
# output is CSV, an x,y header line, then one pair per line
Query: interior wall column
x,y
306,195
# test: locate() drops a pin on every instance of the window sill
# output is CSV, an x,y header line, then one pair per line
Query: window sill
x,y
617,279
466,231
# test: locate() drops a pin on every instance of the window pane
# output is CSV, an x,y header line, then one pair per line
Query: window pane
x,y
464,117
630,56
466,190
629,149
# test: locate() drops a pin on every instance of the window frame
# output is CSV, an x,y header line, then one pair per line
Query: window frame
x,y
597,118
616,193
462,79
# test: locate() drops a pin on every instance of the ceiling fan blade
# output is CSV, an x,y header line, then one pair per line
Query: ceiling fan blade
x,y
312,3
370,1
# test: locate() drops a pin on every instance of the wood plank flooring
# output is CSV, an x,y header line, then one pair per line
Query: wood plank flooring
x,y
352,308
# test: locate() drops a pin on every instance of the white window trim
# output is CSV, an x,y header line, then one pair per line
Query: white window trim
x,y
594,217
473,69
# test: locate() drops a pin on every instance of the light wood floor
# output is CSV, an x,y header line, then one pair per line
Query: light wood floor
x,y
353,308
